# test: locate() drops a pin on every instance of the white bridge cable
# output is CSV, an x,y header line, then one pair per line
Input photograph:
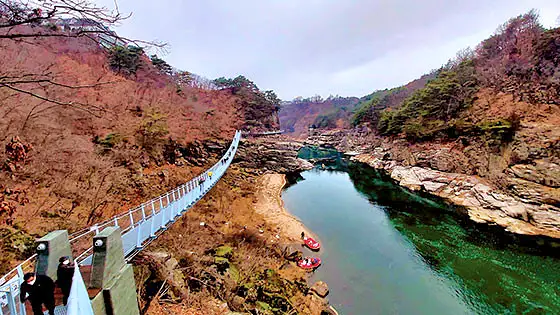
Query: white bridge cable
x,y
139,227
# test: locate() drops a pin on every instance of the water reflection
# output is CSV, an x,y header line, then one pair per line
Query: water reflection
x,y
377,236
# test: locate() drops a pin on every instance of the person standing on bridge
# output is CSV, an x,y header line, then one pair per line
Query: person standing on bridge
x,y
64,275
39,290
201,182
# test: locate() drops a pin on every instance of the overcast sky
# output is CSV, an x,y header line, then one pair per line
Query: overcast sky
x,y
307,47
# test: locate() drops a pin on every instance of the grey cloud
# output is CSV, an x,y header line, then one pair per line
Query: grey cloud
x,y
317,46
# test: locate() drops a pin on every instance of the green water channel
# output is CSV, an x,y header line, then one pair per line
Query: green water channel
x,y
388,251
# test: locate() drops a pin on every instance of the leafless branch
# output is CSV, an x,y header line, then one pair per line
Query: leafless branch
x,y
33,20
39,13
75,105
12,81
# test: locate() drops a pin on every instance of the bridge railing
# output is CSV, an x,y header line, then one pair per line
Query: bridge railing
x,y
139,226
265,133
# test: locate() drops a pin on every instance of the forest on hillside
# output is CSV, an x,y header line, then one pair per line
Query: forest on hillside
x,y
522,58
92,121
301,113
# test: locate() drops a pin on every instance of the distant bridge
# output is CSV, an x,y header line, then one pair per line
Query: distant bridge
x,y
138,227
265,133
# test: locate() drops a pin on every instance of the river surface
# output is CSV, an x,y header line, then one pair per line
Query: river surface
x,y
388,251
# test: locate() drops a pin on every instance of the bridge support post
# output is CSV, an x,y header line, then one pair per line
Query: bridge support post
x,y
112,275
49,250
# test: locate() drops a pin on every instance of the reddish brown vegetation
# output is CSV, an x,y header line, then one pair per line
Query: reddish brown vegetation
x,y
522,58
93,153
200,285
298,115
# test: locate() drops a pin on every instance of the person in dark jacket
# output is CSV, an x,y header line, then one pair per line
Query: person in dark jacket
x,y
201,182
64,275
39,290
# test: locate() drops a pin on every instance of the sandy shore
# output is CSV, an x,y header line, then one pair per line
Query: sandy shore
x,y
271,207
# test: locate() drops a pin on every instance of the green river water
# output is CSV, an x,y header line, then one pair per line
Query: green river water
x,y
388,251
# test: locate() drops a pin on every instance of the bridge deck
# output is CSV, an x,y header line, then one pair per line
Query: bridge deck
x,y
140,226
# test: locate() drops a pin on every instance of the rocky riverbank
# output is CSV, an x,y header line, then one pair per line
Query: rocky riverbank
x,y
484,203
271,206
515,186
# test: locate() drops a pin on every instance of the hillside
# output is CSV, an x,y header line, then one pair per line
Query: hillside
x,y
100,138
337,112
298,115
491,115
91,129
371,105
521,60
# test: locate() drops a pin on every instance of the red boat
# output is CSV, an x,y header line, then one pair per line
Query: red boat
x,y
309,263
311,243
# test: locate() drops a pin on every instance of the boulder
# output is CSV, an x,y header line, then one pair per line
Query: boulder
x,y
320,288
291,253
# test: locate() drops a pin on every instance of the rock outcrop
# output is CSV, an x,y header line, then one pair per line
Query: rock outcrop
x,y
482,200
340,140
271,154
320,288
514,183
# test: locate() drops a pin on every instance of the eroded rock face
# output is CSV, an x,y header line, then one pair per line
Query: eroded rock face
x,y
515,184
274,154
484,202
343,141
542,172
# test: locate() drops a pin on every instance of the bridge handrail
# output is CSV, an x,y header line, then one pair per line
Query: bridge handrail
x,y
186,194
110,221
264,133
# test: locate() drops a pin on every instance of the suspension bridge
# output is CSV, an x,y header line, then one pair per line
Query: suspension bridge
x,y
101,284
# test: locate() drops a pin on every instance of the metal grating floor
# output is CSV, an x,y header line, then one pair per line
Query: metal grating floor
x,y
59,310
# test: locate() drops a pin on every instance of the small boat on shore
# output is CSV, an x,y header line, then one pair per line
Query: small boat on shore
x,y
311,243
309,263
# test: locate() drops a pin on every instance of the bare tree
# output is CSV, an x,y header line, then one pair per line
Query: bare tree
x,y
38,12
186,78
461,56
35,20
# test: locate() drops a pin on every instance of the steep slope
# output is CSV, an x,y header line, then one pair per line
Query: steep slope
x,y
95,151
113,128
298,115
259,108
371,105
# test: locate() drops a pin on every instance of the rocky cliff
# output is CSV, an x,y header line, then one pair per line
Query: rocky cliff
x,y
483,201
271,154
515,186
